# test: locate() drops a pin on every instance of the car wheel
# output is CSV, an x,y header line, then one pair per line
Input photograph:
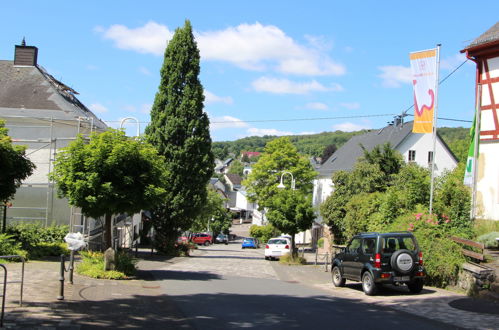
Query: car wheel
x,y
416,286
206,243
266,258
338,280
370,288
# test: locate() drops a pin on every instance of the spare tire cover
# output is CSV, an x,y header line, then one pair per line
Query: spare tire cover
x,y
402,261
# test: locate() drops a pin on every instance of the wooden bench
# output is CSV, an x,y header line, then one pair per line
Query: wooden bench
x,y
472,254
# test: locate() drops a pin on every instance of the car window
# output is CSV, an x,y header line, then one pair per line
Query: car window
x,y
368,245
278,241
391,244
354,245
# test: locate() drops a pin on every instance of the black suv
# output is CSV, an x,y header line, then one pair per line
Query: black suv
x,y
380,258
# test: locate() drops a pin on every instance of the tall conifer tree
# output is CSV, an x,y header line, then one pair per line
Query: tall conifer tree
x,y
179,129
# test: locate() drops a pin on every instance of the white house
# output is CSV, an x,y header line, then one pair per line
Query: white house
x,y
484,51
417,148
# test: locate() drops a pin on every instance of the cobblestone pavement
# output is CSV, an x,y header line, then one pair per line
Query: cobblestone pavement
x,y
432,303
91,303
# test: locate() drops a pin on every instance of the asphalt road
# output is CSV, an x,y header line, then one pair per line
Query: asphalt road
x,y
224,287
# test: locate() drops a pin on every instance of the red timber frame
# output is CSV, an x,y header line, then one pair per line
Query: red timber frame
x,y
481,55
486,81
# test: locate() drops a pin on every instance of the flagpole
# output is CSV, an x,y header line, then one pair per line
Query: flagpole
x,y
434,130
475,150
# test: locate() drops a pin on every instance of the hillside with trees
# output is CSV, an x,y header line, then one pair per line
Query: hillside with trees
x,y
317,145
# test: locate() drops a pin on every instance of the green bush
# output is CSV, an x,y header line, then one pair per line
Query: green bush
x,y
288,259
320,242
32,234
263,233
482,227
489,240
442,257
52,249
8,246
184,249
92,265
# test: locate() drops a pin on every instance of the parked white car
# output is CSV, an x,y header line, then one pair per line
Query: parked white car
x,y
277,247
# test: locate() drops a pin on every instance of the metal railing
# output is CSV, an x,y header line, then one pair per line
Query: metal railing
x,y
322,257
22,275
4,292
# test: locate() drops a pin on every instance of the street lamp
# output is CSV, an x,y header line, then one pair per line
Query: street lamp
x,y
282,186
131,118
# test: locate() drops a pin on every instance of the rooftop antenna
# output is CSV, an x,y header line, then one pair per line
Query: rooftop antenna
x,y
23,43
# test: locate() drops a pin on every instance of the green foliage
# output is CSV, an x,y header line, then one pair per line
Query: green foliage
x,y
458,140
179,129
92,265
9,246
214,212
359,210
453,198
263,233
236,167
15,165
442,257
290,259
320,242
489,239
291,212
279,156
482,227
48,249
184,249
389,160
30,235
111,174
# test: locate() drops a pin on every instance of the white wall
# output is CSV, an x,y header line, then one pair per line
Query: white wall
x,y
422,144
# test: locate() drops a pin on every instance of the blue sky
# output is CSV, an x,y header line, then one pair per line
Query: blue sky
x,y
264,63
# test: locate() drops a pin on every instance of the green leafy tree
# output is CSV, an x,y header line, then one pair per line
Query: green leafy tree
x,y
291,212
214,215
14,165
389,160
110,174
279,156
179,129
236,167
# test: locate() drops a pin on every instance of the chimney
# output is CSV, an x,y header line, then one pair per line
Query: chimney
x,y
25,55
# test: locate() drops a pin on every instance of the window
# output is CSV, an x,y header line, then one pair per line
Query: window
x,y
412,155
368,245
354,246
430,157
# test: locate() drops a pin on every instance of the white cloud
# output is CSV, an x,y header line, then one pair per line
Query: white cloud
x,y
130,108
148,39
226,122
351,105
316,106
249,46
144,71
450,63
395,75
350,127
253,131
209,97
145,108
98,108
285,86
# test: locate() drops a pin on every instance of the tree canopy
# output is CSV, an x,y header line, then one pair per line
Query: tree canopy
x,y
15,165
110,174
179,129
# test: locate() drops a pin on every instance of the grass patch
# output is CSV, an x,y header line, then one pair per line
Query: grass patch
x,y
288,259
92,265
483,227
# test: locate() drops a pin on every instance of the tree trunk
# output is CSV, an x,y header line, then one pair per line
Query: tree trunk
x,y
107,231
294,252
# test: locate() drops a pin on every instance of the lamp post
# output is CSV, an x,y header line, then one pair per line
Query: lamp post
x,y
131,118
293,182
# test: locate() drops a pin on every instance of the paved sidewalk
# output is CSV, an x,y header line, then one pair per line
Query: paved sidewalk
x,y
88,303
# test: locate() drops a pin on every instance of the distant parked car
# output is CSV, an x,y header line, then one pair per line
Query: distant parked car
x,y
250,242
277,247
202,238
222,238
182,239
